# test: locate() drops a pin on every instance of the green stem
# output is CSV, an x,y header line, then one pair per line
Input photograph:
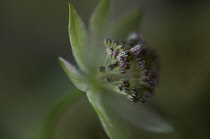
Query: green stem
x,y
48,130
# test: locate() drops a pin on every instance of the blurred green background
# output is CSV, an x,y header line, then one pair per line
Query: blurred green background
x,y
33,34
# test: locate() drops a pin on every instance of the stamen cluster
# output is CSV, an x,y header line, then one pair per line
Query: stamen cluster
x,y
131,67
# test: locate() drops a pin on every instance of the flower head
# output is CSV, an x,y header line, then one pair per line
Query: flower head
x,y
123,65
130,67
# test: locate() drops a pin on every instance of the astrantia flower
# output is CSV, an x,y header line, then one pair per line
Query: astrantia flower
x,y
130,68
112,60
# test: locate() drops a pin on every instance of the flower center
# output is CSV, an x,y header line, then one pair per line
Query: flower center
x,y
131,67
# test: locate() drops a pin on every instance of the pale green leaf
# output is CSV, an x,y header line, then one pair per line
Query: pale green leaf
x,y
99,21
73,74
49,127
78,37
98,26
113,124
126,24
140,115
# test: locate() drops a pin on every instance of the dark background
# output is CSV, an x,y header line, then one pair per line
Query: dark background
x,y
33,34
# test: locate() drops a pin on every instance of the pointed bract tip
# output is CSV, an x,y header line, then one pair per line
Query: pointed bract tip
x,y
69,3
64,62
61,60
71,7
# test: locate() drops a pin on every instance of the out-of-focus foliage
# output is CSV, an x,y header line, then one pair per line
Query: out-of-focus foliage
x,y
34,33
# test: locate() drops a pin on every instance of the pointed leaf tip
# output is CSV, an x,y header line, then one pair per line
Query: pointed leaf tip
x,y
73,74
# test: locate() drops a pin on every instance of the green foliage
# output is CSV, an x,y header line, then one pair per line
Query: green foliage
x,y
126,24
139,115
113,124
78,37
73,74
99,21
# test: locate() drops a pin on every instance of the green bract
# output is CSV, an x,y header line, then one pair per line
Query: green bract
x,y
88,50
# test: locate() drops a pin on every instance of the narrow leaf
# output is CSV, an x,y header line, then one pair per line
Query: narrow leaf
x,y
73,74
140,115
126,24
114,126
48,131
78,37
99,21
